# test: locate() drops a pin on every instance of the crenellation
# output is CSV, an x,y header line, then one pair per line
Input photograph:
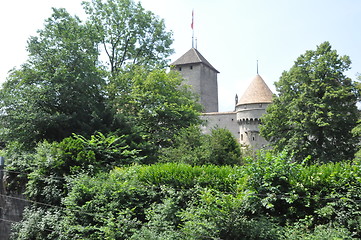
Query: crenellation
x,y
244,121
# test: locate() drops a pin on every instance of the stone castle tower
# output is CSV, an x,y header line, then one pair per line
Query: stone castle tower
x,y
249,109
244,121
201,75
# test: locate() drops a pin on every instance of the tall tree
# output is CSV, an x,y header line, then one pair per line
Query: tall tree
x,y
193,147
315,109
158,103
129,34
357,130
58,90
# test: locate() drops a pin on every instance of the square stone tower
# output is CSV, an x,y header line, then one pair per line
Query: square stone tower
x,y
201,75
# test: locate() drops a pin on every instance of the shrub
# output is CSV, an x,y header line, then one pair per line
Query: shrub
x,y
320,232
45,171
193,147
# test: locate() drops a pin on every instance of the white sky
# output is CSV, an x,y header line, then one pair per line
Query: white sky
x,y
232,34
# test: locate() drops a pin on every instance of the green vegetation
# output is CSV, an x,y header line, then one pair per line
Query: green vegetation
x,y
65,85
315,110
269,197
155,102
115,150
128,34
192,147
58,90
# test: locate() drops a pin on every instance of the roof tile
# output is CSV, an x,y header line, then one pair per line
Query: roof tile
x,y
257,92
192,56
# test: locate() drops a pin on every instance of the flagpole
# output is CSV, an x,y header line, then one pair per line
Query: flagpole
x,y
192,38
192,28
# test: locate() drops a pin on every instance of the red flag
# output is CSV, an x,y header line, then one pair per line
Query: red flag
x,y
192,19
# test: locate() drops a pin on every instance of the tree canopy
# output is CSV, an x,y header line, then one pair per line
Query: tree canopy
x,y
128,34
156,102
193,147
63,87
315,109
58,90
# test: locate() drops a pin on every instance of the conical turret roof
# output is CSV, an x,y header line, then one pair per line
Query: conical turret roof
x,y
192,56
257,92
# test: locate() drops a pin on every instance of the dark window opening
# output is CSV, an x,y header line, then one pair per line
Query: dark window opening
x,y
180,69
191,67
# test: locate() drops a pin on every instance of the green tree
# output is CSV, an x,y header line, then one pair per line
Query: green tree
x,y
129,34
193,147
57,92
224,148
61,90
357,130
158,103
315,109
189,146
46,172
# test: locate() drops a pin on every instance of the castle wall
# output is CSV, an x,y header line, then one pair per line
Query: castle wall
x,y
11,208
227,120
244,122
204,82
209,89
191,73
251,111
249,134
248,118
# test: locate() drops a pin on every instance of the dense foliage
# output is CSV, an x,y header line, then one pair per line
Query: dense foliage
x,y
315,109
267,198
157,103
114,149
58,90
64,86
47,170
128,34
192,147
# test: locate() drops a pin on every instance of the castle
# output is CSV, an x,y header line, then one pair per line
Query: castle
x,y
244,121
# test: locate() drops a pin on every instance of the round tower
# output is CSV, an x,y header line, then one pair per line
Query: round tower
x,y
250,108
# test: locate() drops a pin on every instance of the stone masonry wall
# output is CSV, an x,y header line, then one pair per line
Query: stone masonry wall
x,y
11,209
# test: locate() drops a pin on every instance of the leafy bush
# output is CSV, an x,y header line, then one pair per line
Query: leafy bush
x,y
320,232
268,185
105,208
183,176
224,148
144,201
40,224
270,197
189,146
331,193
45,172
193,147
217,215
289,192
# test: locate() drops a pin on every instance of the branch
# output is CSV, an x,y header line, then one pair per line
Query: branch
x,y
125,51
